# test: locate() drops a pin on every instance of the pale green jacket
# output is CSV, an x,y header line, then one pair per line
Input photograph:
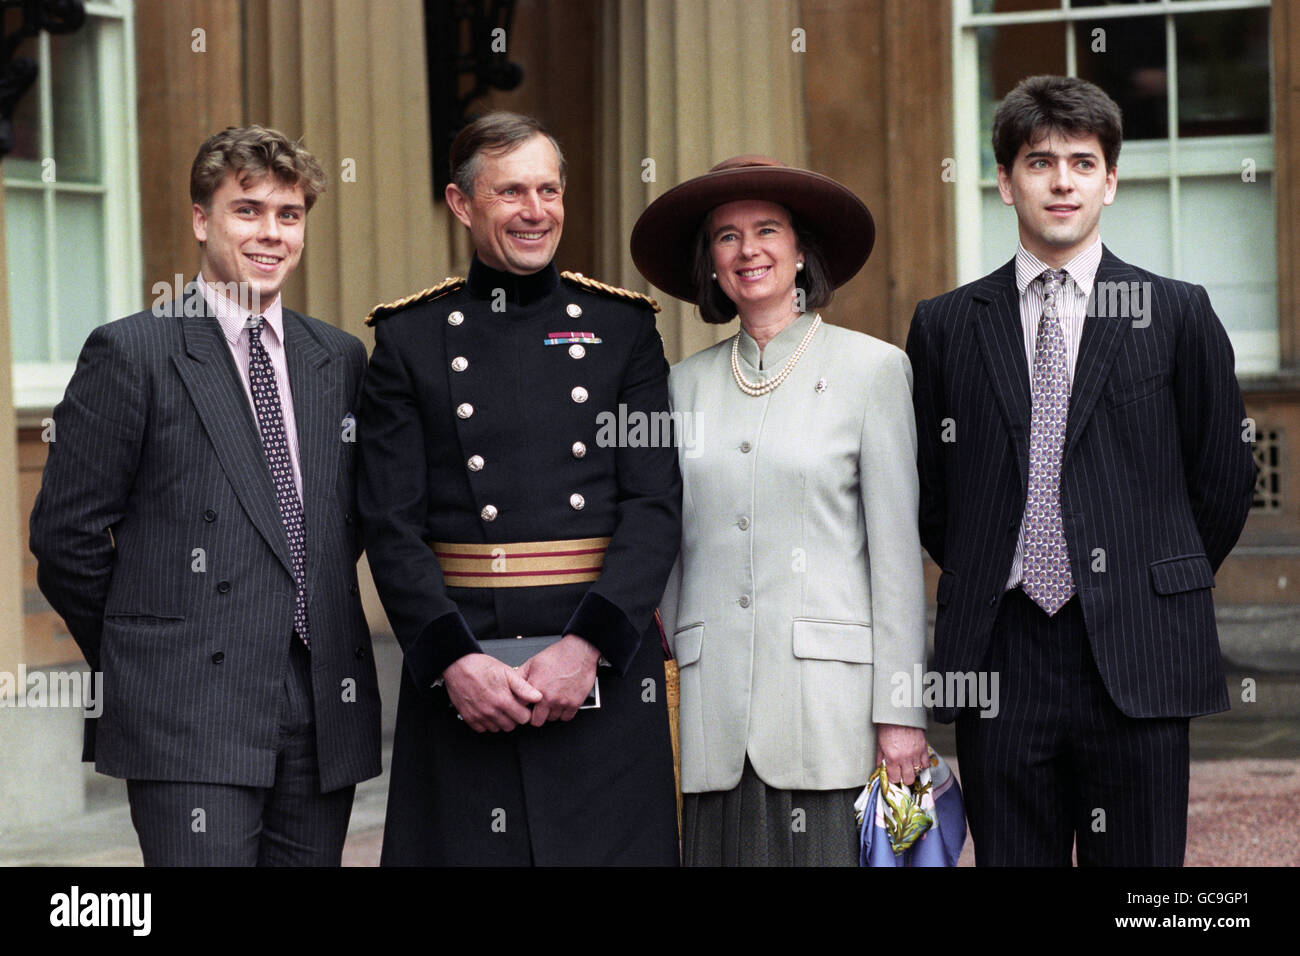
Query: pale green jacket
x,y
798,596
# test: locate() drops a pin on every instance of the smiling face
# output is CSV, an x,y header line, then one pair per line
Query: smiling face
x,y
251,235
516,214
754,253
1058,186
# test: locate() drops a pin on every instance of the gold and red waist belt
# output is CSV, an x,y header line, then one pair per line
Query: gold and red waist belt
x,y
525,564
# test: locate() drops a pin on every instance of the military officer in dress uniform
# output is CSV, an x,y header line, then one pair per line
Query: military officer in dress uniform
x,y
495,507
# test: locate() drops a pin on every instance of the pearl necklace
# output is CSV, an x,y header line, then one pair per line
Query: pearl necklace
x,y
762,388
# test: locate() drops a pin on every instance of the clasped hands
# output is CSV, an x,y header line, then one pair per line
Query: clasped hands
x,y
551,685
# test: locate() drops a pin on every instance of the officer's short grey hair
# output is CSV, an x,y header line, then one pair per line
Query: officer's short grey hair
x,y
499,131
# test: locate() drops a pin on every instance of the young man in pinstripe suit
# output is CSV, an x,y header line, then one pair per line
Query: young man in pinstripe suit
x,y
1084,472
195,531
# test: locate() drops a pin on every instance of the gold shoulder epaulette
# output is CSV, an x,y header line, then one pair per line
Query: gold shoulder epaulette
x,y
594,285
449,284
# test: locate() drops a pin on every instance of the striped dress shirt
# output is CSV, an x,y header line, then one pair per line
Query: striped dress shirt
x,y
232,318
1077,288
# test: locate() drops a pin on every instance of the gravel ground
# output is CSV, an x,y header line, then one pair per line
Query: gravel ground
x,y
1223,829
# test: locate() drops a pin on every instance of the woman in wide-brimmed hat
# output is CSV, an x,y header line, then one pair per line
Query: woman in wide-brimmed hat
x,y
797,611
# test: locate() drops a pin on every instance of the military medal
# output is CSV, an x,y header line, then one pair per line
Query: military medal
x,y
571,338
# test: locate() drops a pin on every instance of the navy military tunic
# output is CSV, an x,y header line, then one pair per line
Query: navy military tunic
x,y
473,430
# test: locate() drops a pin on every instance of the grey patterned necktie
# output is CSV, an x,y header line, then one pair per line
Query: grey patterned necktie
x,y
1046,569
270,419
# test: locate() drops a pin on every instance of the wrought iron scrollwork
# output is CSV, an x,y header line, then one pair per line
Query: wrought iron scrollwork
x,y
18,73
464,39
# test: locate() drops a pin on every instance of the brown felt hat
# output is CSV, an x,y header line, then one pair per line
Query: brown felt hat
x,y
663,239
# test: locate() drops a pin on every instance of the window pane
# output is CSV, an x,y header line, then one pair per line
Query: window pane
x,y
1226,241
28,169
27,116
1136,226
1006,56
1223,77
1000,231
28,307
1127,58
73,73
79,271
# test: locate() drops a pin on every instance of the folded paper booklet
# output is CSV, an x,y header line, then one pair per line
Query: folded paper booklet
x,y
515,651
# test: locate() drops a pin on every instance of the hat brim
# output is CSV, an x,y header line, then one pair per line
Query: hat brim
x,y
663,239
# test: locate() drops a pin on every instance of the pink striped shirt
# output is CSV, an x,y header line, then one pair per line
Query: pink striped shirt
x,y
231,316
1081,272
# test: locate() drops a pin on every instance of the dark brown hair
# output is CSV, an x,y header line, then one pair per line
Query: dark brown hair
x,y
1040,105
497,132
251,153
716,306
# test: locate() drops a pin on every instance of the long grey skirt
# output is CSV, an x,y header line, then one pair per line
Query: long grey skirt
x,y
757,825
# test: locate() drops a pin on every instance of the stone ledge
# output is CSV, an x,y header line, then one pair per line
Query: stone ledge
x,y
1263,637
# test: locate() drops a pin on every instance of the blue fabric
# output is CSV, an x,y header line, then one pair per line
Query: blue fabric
x,y
942,842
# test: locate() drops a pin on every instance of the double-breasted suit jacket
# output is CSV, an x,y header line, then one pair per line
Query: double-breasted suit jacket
x,y
799,598
1156,479
481,424
160,543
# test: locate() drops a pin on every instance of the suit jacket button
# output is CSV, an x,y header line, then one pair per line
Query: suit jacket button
x,y
744,523
576,351
489,513
745,447
579,394
455,318
223,587
577,502
219,657
347,517
209,515
475,463
573,310
359,653
993,601
464,410
744,600
353,589
459,363
579,450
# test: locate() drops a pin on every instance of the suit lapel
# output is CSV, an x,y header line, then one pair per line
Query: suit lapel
x,y
1002,345
1102,337
214,385
312,384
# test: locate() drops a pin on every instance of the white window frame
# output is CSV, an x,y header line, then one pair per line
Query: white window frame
x,y
1167,160
40,385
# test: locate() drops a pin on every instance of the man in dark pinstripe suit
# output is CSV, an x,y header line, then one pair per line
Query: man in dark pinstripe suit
x,y
195,530
1085,468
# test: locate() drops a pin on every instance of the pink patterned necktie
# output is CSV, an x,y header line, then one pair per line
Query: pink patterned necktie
x,y
270,420
1046,569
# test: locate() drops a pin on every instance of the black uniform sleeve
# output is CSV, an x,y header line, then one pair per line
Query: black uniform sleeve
x,y
391,497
